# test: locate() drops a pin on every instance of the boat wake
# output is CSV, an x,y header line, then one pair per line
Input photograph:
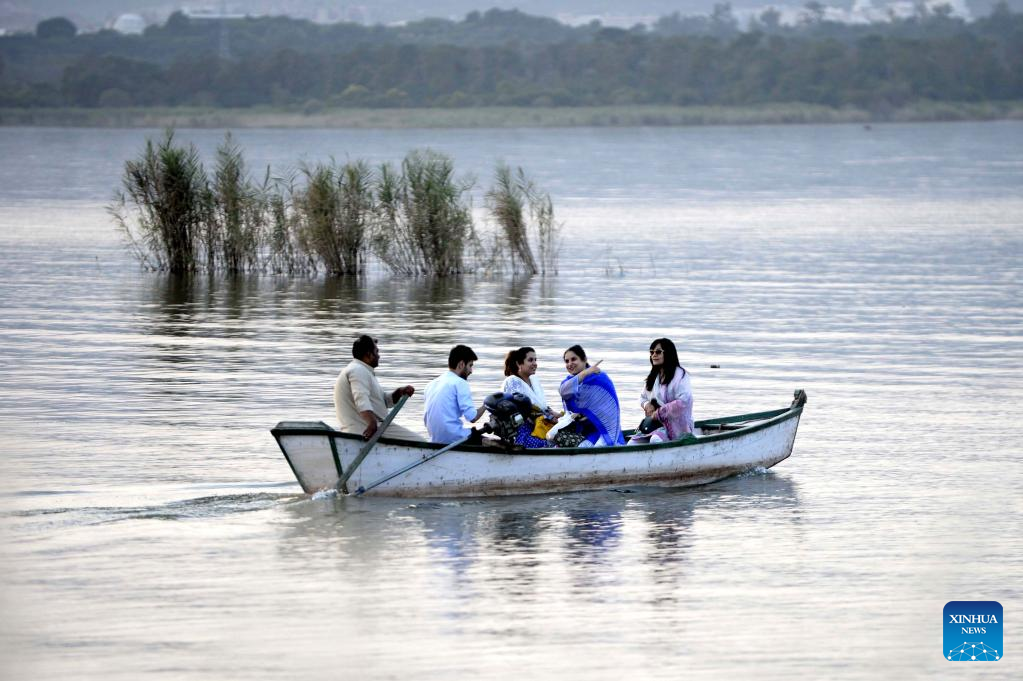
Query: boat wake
x,y
185,509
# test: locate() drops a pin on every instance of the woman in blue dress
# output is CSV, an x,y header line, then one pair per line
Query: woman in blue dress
x,y
589,392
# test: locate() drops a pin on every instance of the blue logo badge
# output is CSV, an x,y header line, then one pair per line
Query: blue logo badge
x,y
973,631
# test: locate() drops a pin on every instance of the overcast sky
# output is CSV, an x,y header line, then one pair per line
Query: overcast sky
x,y
372,11
92,14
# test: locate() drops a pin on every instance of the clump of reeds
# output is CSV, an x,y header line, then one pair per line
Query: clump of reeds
x,y
415,219
166,191
176,219
335,210
523,212
424,218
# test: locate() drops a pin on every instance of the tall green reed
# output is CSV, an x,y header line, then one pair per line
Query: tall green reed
x,y
424,217
548,231
335,210
164,206
506,201
235,232
287,253
524,213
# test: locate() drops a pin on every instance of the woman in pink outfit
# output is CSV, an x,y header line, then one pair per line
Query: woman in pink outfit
x,y
667,398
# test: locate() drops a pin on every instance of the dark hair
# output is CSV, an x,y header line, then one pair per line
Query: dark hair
x,y
669,365
461,353
578,350
514,358
363,346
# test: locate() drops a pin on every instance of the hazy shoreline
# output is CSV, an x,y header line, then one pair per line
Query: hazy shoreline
x,y
501,117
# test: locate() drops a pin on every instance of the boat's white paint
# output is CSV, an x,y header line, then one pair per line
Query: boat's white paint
x,y
462,473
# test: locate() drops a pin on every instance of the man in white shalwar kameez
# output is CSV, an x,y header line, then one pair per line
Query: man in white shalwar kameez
x,y
359,401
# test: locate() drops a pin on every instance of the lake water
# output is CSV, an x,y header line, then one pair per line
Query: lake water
x,y
151,528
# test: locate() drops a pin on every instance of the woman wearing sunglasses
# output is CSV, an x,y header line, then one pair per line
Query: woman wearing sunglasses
x,y
667,398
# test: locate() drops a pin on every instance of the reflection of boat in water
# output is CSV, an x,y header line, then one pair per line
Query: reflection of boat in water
x,y
582,529
722,447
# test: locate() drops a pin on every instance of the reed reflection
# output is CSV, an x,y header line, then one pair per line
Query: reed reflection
x,y
173,298
185,311
181,305
434,319
444,297
238,292
337,297
547,293
354,304
515,297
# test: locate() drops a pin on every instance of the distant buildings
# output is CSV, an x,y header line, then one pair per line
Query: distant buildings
x,y
322,13
129,24
201,13
612,20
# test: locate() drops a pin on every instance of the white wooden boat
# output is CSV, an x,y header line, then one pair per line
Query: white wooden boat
x,y
320,455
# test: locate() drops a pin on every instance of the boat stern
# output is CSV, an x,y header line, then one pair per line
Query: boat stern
x,y
309,448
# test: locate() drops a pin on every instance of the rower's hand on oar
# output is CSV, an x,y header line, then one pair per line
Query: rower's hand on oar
x,y
371,429
407,390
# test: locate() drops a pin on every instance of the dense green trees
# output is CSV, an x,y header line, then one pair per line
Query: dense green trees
x,y
509,58
58,27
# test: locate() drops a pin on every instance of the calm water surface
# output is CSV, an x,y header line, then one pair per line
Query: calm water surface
x,y
151,529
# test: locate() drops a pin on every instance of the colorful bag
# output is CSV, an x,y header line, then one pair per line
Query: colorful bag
x,y
572,435
543,425
568,437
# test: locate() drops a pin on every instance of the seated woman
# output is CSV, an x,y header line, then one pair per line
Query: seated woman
x,y
667,398
520,370
589,392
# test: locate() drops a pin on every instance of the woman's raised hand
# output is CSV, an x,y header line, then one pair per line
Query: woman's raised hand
x,y
592,369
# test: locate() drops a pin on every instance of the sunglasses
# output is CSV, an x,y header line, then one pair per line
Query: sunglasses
x,y
658,351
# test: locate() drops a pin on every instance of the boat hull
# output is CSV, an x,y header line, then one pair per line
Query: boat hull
x,y
318,455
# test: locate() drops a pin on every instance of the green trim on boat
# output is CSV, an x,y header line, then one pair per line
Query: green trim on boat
x,y
337,465
764,419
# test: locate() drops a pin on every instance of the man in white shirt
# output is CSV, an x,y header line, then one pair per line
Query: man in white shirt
x,y
449,399
360,402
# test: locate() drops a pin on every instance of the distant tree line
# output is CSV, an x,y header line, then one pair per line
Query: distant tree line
x,y
509,58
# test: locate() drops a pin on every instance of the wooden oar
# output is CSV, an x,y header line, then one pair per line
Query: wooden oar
x,y
369,445
429,457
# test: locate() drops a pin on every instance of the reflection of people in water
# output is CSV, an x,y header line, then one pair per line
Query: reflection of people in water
x,y
518,528
595,528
